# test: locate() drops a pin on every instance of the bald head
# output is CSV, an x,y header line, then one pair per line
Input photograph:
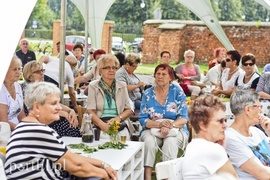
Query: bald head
x,y
72,61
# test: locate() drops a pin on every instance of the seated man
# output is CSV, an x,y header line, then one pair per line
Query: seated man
x,y
52,75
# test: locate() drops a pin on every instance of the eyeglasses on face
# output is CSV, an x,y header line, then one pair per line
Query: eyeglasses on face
x,y
257,106
222,120
248,64
228,60
110,68
190,56
39,71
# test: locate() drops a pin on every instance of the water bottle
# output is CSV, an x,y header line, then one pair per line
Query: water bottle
x,y
88,132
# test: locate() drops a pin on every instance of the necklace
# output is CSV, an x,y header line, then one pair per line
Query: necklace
x,y
230,73
249,75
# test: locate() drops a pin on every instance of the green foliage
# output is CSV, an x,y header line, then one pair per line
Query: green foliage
x,y
230,10
42,14
129,16
85,148
109,145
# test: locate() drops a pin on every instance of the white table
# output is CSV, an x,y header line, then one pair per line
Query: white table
x,y
79,98
128,162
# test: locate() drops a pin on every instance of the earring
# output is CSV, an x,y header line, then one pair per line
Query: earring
x,y
37,116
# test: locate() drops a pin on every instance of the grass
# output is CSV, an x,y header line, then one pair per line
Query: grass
x,y
149,68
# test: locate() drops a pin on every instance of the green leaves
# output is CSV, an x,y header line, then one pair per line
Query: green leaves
x,y
109,145
85,148
89,149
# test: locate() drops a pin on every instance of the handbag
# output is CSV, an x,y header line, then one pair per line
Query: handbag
x,y
156,131
185,89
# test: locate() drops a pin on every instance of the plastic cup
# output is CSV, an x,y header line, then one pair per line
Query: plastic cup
x,y
97,134
123,139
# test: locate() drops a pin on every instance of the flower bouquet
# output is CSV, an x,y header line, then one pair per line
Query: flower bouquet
x,y
115,142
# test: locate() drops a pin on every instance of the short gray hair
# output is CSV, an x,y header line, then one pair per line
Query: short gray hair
x,y
104,58
241,98
38,92
189,51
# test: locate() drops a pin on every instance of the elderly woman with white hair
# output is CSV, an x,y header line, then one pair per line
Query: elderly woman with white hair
x,y
247,146
35,151
11,96
188,72
108,99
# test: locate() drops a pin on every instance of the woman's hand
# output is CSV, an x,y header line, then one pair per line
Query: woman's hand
x,y
265,123
164,131
72,118
140,84
111,173
165,123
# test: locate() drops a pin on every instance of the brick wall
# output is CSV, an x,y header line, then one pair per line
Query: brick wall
x,y
178,36
107,32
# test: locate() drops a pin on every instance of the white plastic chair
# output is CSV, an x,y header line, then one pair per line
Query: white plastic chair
x,y
169,169
4,136
2,171
5,131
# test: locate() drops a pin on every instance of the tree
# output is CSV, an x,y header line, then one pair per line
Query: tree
x,y
230,10
42,14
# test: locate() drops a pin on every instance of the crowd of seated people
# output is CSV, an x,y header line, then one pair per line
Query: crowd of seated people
x,y
163,107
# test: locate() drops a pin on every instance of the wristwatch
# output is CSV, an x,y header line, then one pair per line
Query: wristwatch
x,y
173,125
121,119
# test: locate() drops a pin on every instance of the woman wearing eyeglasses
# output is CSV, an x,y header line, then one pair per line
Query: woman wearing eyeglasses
x,y
189,72
126,75
249,78
247,146
229,74
205,155
11,97
67,125
108,99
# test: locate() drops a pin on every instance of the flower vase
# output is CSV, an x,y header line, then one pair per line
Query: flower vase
x,y
114,138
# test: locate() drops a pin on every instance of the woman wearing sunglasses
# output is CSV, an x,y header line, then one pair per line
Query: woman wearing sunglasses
x,y
247,146
206,153
249,78
229,74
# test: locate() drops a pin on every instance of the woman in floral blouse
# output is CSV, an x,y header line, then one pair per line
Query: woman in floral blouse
x,y
166,102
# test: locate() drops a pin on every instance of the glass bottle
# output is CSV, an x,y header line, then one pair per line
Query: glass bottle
x,y
88,132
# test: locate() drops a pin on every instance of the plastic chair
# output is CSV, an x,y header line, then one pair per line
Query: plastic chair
x,y
5,133
169,169
2,171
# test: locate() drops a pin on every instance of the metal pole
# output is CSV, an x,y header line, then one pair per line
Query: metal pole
x,y
62,47
86,36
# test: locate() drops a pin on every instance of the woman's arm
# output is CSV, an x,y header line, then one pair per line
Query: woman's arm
x,y
227,168
254,167
86,167
198,74
70,115
97,121
4,116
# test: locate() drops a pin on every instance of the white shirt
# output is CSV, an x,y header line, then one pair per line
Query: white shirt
x,y
52,70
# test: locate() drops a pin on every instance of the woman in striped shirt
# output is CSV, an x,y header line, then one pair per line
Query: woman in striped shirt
x,y
35,151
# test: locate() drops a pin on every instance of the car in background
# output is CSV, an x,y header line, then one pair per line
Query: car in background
x,y
136,45
118,45
74,39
